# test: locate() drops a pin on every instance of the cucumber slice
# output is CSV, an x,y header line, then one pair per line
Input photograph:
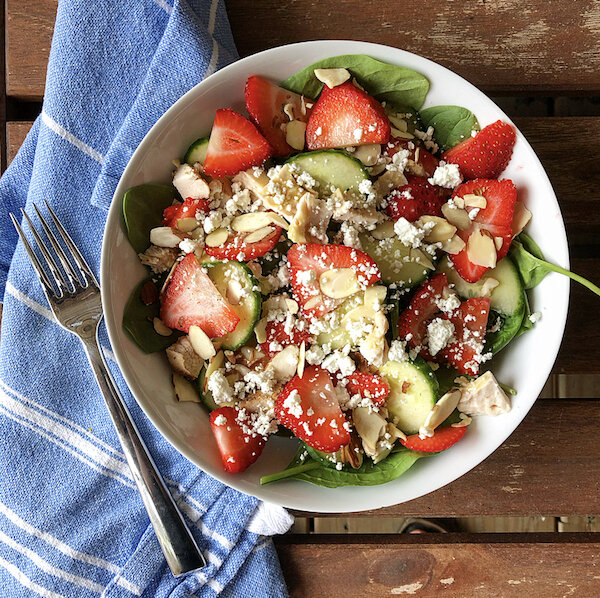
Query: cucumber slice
x,y
397,262
332,168
197,151
410,409
200,383
236,278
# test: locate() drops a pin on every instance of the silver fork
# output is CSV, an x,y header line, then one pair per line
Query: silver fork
x,y
74,297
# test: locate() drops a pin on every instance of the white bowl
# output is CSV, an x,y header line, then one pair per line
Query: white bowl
x,y
525,365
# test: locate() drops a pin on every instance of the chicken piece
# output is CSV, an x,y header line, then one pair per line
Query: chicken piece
x,y
189,183
159,259
483,396
183,359
309,224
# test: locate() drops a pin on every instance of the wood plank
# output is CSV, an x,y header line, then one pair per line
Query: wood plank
x,y
541,47
505,525
432,565
16,131
547,467
579,524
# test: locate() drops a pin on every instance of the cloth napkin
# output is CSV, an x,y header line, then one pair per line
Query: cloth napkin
x,y
71,520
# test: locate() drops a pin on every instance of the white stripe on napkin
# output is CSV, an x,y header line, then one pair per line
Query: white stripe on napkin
x,y
25,581
212,16
168,9
30,303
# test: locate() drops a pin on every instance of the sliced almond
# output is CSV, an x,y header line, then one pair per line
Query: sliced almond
x,y
163,236
285,363
385,230
441,410
374,296
313,302
498,242
398,122
234,292
217,237
474,201
454,245
288,109
291,305
248,223
442,230
301,359
481,250
521,218
377,169
401,134
368,154
187,225
259,235
332,77
456,216
459,202
465,420
488,286
260,330
295,132
418,256
339,283
200,342
161,328
184,391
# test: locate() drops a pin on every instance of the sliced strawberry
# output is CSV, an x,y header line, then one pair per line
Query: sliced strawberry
x,y
276,333
412,323
265,102
188,209
368,386
308,262
470,323
308,406
192,299
235,248
495,219
420,161
239,447
487,154
235,144
442,439
415,199
346,115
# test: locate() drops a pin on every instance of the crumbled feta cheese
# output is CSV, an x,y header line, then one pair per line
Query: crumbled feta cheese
x,y
339,362
292,404
446,175
399,161
535,317
220,420
449,304
397,351
315,355
219,388
440,333
410,234
188,245
357,134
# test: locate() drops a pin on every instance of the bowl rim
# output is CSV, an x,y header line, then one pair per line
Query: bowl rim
x,y
114,219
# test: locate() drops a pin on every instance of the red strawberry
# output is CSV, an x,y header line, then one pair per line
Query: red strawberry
x,y
415,199
368,386
236,249
265,102
192,299
421,162
239,447
346,115
442,439
187,209
496,218
309,407
275,332
487,154
308,262
470,322
235,144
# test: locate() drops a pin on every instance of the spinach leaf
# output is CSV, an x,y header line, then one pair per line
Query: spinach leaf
x,y
526,324
451,124
138,322
392,467
534,269
143,207
530,245
511,327
384,81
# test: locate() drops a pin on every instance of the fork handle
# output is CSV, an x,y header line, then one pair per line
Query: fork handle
x,y
178,545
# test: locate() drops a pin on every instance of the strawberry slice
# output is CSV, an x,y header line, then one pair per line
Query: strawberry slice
x,y
346,115
187,209
442,439
235,248
470,322
308,406
368,386
276,333
239,448
308,262
420,161
235,144
265,102
496,219
415,199
192,299
487,154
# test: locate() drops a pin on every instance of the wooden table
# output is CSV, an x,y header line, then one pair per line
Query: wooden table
x,y
547,52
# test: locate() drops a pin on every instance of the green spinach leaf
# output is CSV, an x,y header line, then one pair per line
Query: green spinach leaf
x,y
143,207
384,81
451,124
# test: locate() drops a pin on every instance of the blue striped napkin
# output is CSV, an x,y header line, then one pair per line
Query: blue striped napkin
x,y
71,520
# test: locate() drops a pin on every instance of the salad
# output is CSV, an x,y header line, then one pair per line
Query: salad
x,y
339,267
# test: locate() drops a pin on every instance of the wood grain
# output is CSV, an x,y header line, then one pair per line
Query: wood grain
x,y
547,467
16,131
505,46
486,565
